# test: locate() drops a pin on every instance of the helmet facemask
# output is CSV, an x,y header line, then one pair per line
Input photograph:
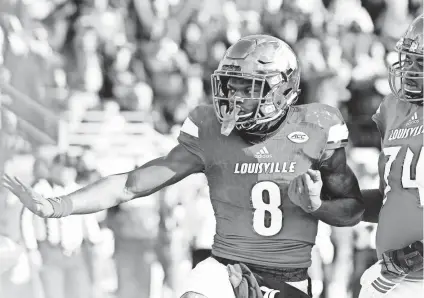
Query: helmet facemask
x,y
406,75
272,103
272,69
407,84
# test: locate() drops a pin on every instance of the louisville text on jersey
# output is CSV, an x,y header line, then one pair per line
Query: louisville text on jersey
x,y
264,167
403,133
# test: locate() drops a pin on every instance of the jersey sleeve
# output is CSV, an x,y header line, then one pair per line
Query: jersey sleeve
x,y
338,133
192,132
331,120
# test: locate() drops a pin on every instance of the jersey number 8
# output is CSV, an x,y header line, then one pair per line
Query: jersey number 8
x,y
273,207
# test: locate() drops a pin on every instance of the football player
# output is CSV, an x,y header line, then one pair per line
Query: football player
x,y
259,153
398,205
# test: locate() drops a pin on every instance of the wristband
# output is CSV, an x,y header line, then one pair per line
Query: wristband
x,y
62,206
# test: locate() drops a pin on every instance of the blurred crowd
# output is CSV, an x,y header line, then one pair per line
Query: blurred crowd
x,y
157,56
153,59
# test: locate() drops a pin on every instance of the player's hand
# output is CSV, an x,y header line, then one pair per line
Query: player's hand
x,y
29,198
403,261
305,190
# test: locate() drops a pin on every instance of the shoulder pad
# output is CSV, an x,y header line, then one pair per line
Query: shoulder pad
x,y
385,105
196,130
198,120
330,119
321,114
386,109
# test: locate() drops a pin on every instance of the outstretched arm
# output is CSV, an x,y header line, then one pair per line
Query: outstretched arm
x,y
143,181
114,189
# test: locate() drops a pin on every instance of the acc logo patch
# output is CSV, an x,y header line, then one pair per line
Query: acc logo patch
x,y
298,137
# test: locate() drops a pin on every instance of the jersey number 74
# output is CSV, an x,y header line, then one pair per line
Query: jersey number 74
x,y
406,181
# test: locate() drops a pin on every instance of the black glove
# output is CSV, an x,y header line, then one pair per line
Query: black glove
x,y
403,261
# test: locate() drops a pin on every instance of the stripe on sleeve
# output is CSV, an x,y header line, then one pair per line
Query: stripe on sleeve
x,y
338,133
190,128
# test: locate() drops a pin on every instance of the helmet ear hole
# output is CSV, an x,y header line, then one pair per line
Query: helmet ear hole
x,y
267,88
286,92
287,74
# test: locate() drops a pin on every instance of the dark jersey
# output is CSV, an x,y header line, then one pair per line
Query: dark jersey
x,y
401,169
256,222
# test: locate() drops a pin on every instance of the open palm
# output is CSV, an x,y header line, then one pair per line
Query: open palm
x,y
29,198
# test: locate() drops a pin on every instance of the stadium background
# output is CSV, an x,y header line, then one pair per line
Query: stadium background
x,y
105,84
